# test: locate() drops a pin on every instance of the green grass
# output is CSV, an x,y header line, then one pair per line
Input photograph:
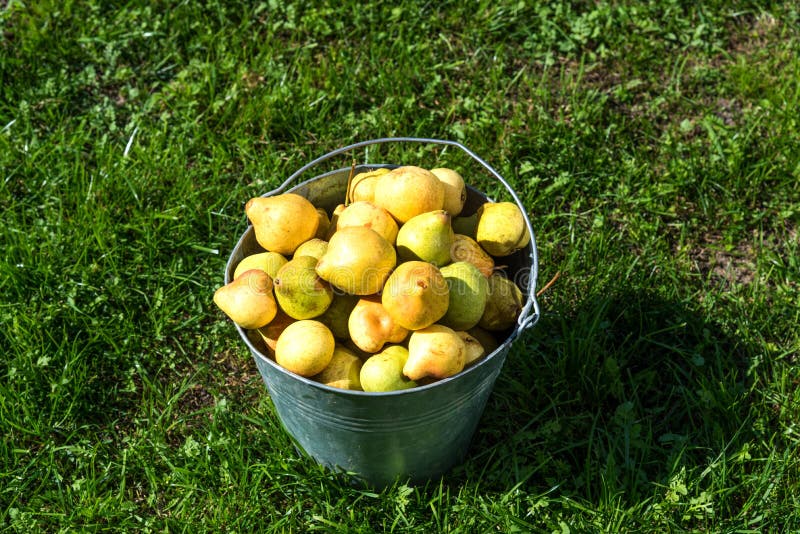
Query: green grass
x,y
655,145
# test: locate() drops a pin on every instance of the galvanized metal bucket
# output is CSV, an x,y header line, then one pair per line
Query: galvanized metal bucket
x,y
379,438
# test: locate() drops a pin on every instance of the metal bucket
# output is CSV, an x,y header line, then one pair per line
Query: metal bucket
x,y
378,438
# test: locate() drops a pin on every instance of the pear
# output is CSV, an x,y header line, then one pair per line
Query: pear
x,y
300,292
268,262
384,371
474,351
314,247
334,221
338,313
362,186
501,228
426,237
455,190
282,222
466,225
272,331
467,249
248,300
503,304
358,260
485,338
408,191
305,347
363,213
468,290
343,371
435,351
416,295
324,224
371,326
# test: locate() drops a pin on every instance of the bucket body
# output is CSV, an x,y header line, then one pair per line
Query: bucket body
x,y
411,435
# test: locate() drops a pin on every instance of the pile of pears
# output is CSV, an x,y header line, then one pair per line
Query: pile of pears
x,y
392,290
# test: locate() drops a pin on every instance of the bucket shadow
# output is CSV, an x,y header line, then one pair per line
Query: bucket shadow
x,y
612,400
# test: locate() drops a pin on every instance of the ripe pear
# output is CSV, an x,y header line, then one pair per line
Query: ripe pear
x,y
343,371
426,237
371,326
466,225
474,351
455,190
338,313
272,331
268,262
248,300
468,292
384,371
501,228
485,338
503,305
282,222
301,293
314,247
435,351
408,191
324,223
358,260
416,295
305,347
467,249
363,213
362,186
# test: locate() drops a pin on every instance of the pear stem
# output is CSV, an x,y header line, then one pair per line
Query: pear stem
x,y
349,181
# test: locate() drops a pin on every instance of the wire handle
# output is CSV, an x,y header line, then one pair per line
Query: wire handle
x,y
530,313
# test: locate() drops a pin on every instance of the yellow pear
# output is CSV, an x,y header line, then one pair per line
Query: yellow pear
x,y
408,191
467,249
455,190
426,237
384,371
358,260
282,222
268,262
272,331
300,292
334,221
248,300
362,186
305,347
343,371
314,247
503,304
435,351
324,224
501,228
363,213
474,351
371,326
416,295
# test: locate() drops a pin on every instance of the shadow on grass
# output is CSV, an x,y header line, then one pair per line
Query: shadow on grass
x,y
613,400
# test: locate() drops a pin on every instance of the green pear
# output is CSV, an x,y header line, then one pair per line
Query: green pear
x,y
338,313
503,304
300,292
465,224
501,229
468,292
426,237
384,370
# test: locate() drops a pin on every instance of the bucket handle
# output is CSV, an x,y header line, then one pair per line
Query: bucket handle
x,y
530,313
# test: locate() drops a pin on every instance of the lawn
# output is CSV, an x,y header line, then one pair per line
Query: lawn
x,y
655,145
